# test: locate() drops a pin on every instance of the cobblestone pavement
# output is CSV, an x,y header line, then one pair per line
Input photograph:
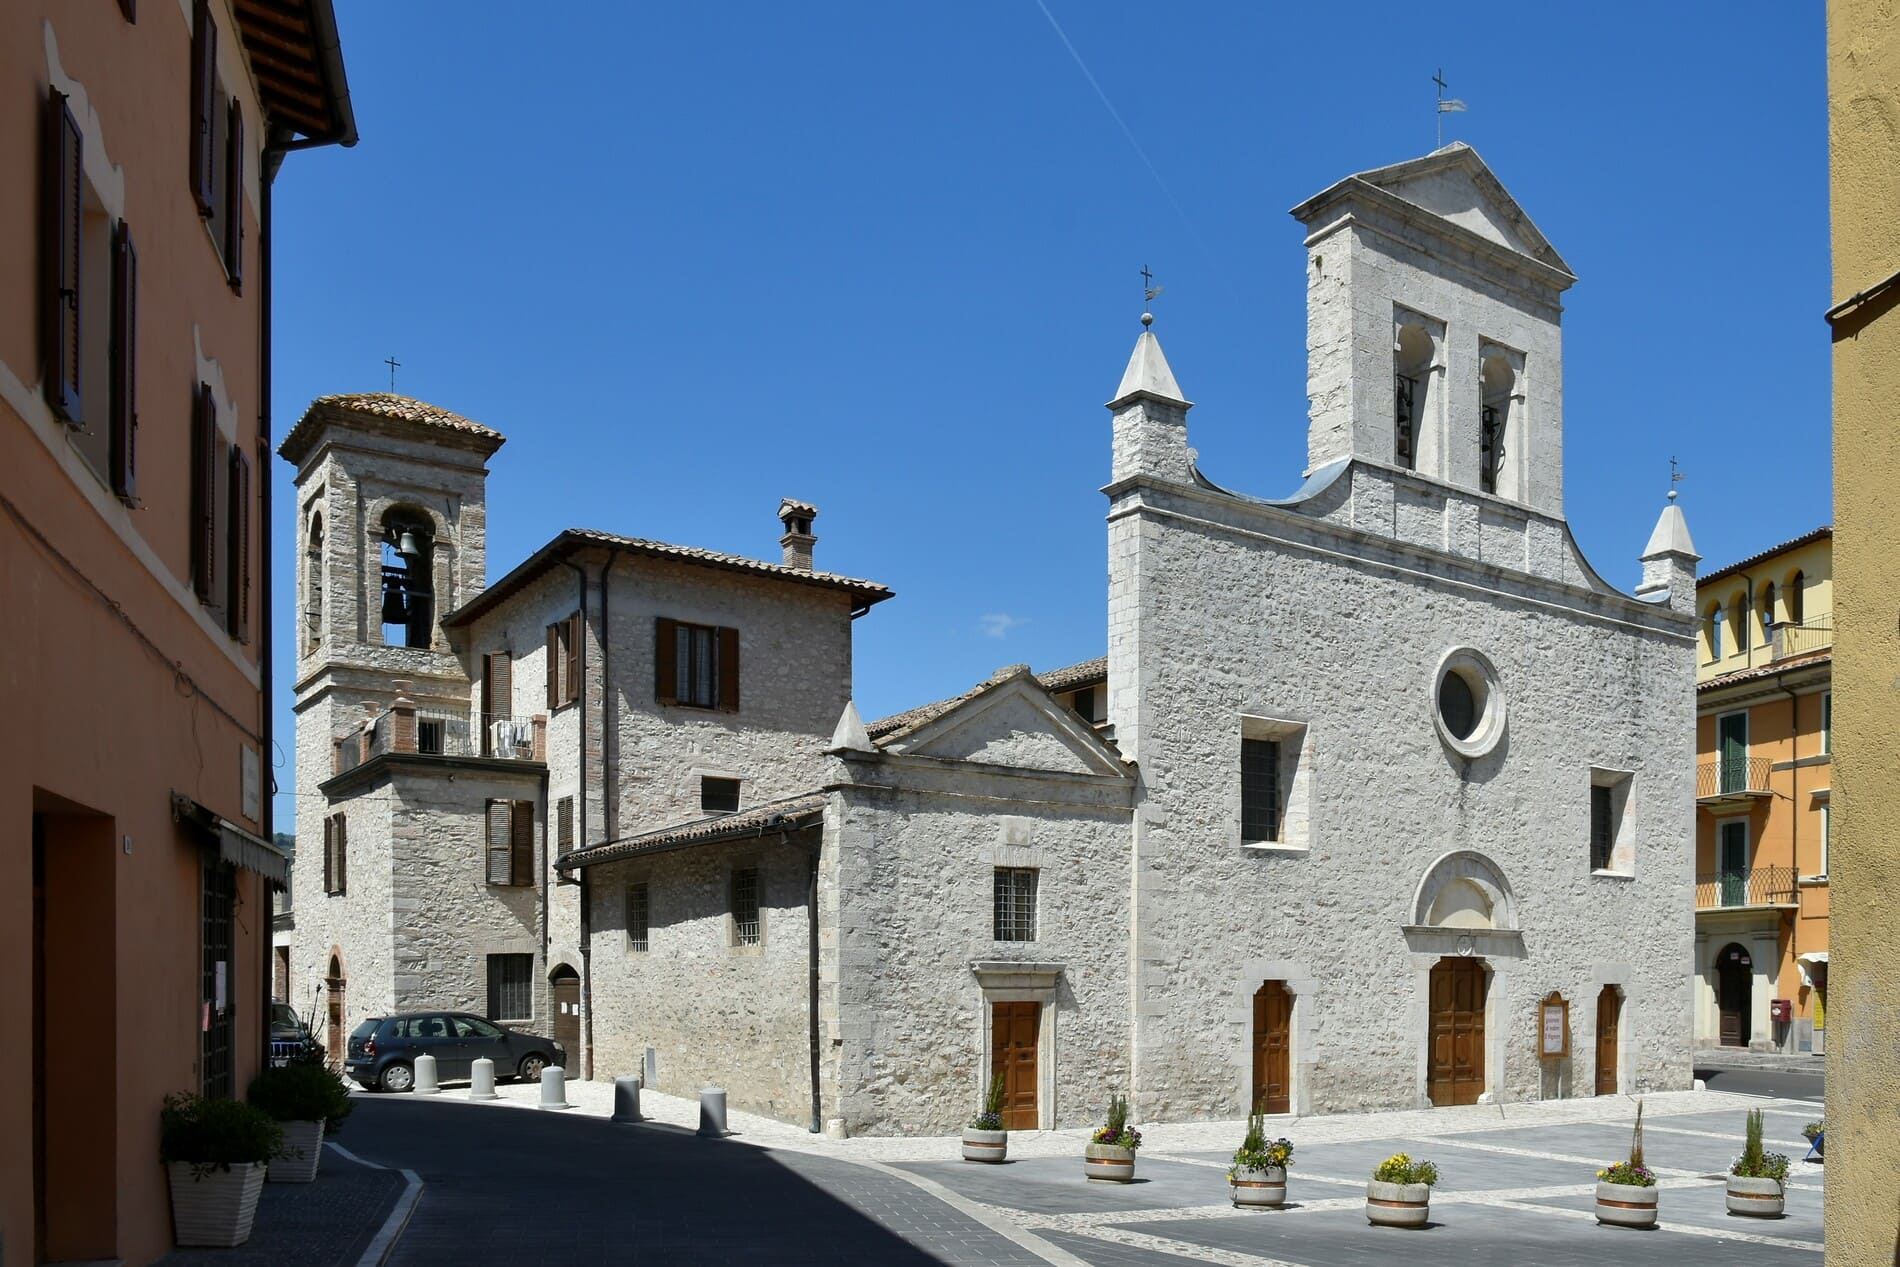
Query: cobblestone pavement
x,y
1517,1187
329,1223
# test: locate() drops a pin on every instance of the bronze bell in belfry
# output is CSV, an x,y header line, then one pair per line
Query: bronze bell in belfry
x,y
408,547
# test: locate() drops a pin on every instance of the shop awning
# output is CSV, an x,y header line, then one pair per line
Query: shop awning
x,y
233,844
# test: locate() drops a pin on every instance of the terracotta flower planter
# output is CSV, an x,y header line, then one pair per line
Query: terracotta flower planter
x,y
215,1207
1625,1204
1398,1204
303,1149
1109,1163
1756,1198
990,1146
1262,1187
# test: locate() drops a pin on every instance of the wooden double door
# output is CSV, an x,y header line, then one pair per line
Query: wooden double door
x,y
1272,1048
1015,1031
1455,1073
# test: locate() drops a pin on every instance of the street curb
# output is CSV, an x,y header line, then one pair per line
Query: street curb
x,y
380,1248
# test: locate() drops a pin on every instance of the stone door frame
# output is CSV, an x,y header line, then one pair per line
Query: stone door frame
x,y
1005,981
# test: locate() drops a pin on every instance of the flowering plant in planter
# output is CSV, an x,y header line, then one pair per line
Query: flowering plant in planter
x,y
1632,1173
1257,1152
990,1117
1754,1163
1118,1133
1400,1168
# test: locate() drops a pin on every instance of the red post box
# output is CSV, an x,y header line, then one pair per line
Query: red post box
x,y
1780,1010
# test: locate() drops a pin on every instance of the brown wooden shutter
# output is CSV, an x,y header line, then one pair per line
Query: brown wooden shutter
x,y
342,854
497,844
554,666
329,855
204,491
521,851
63,217
729,669
130,8
565,818
124,425
234,197
666,660
238,523
204,100
574,644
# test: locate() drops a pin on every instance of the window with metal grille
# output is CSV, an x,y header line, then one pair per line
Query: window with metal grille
x,y
1259,789
637,928
745,906
429,736
219,999
1016,903
1602,826
510,987
719,796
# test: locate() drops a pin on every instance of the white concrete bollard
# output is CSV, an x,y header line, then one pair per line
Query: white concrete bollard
x,y
626,1100
554,1088
712,1112
425,1076
481,1084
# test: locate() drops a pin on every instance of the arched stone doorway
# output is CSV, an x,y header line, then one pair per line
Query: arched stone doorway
x,y
334,1033
1464,914
1734,990
564,989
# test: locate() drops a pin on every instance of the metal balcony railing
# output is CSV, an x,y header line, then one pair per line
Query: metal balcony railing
x,y
508,737
1793,640
1759,886
1731,776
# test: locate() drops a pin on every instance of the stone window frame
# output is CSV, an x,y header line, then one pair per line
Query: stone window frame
x,y
1621,784
1296,780
1480,674
1007,876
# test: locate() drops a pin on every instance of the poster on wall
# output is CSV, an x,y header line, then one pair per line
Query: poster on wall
x,y
1553,1027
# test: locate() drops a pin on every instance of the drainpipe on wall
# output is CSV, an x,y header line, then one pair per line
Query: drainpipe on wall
x,y
267,773
609,807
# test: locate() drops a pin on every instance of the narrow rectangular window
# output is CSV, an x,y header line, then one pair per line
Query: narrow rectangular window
x,y
719,796
232,244
122,356
637,930
206,476
1260,789
500,842
64,219
521,843
237,611
564,677
1015,904
429,738
204,96
497,692
1602,827
745,906
564,818
329,855
341,874
697,665
1826,830
510,987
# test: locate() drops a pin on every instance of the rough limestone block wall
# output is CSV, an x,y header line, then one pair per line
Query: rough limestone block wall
x,y
917,863
715,1012
356,922
448,918
1255,622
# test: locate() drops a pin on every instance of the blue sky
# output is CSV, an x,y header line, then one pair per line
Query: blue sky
x,y
884,258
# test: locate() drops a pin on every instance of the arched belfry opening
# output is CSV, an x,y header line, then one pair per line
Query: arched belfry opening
x,y
408,599
1414,359
1500,428
313,583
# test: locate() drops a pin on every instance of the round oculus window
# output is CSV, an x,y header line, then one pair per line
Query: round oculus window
x,y
1468,703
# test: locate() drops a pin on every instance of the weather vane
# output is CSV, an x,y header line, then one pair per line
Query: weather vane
x,y
393,365
1675,477
1148,292
1446,105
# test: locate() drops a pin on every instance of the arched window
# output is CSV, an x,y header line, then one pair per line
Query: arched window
x,y
313,584
1715,632
1794,599
1412,364
408,601
1768,618
1496,427
1738,616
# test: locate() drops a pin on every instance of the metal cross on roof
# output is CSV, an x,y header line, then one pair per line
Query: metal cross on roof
x,y
1148,292
1446,105
1675,477
393,365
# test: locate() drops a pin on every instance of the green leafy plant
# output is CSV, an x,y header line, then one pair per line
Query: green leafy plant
x,y
1400,1168
991,1117
302,1093
215,1134
1812,1129
1118,1132
1632,1173
1754,1163
1257,1152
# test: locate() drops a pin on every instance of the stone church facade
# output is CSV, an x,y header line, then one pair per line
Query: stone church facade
x,y
1379,790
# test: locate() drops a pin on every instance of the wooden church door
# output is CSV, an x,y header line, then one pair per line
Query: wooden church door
x,y
1456,1067
1272,1035
1013,1033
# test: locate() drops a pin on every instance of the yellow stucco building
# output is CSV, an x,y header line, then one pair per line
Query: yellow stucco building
x,y
1764,707
1863,1050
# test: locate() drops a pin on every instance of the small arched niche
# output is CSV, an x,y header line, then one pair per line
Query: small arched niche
x,y
1464,889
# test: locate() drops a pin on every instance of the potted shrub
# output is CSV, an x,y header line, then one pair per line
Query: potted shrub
x,y
304,1100
1110,1155
216,1152
1755,1180
984,1139
1626,1190
1258,1175
1400,1193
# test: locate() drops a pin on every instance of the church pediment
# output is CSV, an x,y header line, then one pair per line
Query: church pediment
x,y
1017,723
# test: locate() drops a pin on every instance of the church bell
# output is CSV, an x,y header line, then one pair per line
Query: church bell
x,y
395,610
408,546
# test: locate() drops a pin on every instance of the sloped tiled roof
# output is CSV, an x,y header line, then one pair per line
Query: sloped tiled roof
x,y
389,407
1824,532
867,592
789,814
1063,679
1736,676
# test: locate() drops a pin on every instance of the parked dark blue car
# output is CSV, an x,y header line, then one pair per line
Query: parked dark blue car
x,y
383,1050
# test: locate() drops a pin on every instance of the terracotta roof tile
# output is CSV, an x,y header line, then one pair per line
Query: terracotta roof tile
x,y
387,406
789,814
1809,660
1063,679
1824,531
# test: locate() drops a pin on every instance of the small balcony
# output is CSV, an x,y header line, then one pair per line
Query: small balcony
x,y
511,738
1738,890
1731,778
405,729
1817,634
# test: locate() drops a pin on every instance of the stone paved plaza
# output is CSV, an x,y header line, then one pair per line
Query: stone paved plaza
x,y
510,1184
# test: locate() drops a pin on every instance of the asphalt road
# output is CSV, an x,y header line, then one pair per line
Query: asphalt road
x,y
1788,1084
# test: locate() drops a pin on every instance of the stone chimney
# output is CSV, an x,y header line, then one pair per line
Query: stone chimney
x,y
798,540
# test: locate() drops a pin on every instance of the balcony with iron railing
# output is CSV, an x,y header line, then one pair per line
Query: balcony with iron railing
x,y
1814,634
1739,889
403,729
1730,778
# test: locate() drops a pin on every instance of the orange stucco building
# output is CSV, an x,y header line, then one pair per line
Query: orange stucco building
x,y
1764,754
136,151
